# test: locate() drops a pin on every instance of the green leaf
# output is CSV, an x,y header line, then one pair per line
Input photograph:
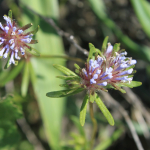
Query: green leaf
x,y
34,31
10,14
92,97
64,93
32,74
83,110
77,66
68,77
116,48
104,45
34,42
33,51
104,110
7,64
64,70
92,51
12,74
25,80
26,26
131,84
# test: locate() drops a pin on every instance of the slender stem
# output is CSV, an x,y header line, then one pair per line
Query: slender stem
x,y
94,125
60,56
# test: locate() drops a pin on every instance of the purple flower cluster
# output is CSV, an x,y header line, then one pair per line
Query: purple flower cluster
x,y
113,68
13,40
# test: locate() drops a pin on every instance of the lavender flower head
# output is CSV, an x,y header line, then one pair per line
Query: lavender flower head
x,y
13,40
109,69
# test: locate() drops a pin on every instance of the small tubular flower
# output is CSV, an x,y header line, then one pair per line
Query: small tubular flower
x,y
14,40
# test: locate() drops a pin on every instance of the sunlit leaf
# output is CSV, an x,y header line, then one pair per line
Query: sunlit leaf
x,y
104,110
83,110
64,70
64,93
104,46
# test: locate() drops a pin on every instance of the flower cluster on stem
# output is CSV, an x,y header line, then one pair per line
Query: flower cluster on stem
x,y
13,40
108,69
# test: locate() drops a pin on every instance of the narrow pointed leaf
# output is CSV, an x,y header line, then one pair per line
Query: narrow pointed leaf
x,y
35,30
104,46
116,48
34,41
64,70
77,66
83,110
69,77
64,93
131,84
105,111
7,64
10,14
92,51
25,80
26,26
33,51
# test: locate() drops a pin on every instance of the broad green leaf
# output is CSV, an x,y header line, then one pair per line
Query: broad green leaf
x,y
25,80
83,110
110,141
78,125
50,43
104,45
64,93
68,77
12,74
64,70
104,110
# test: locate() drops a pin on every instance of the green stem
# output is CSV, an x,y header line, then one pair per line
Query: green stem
x,y
60,56
94,126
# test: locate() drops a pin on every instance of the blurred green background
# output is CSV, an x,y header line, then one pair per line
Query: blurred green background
x,y
29,120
